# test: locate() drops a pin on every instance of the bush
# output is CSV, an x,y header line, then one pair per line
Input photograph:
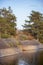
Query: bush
x,y
5,35
23,37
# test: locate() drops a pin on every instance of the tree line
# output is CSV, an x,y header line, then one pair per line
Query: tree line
x,y
33,25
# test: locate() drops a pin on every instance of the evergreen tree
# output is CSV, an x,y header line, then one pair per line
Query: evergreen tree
x,y
35,25
7,22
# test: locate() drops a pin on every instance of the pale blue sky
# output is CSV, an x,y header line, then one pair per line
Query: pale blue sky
x,y
22,8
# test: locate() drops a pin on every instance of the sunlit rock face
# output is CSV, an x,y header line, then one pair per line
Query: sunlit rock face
x,y
8,47
32,45
8,51
3,44
7,43
11,42
30,42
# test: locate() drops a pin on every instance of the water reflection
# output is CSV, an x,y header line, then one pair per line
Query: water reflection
x,y
24,58
22,62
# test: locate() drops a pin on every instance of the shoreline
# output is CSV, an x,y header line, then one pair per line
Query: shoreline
x,y
13,51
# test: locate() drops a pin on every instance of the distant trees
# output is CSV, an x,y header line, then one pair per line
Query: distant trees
x,y
7,22
35,25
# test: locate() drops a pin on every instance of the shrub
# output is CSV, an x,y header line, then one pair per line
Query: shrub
x,y
5,35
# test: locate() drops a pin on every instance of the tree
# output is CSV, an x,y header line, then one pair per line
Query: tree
x,y
7,22
35,24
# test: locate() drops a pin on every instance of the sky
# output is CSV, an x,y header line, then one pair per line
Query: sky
x,y
22,8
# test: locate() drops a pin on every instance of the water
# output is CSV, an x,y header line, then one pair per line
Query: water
x,y
24,58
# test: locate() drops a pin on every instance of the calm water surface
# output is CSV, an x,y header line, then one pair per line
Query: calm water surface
x,y
24,58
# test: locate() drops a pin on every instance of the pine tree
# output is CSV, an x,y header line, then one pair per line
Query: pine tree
x,y
35,25
7,22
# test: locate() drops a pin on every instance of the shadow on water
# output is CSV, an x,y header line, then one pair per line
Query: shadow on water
x,y
24,58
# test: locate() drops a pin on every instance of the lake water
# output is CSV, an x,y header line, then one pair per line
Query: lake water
x,y
24,58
